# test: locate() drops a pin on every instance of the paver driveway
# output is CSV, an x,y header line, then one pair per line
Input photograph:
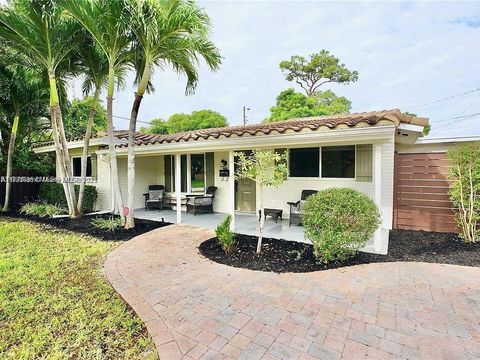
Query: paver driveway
x,y
195,308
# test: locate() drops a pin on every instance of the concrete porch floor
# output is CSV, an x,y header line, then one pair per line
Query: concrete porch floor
x,y
244,223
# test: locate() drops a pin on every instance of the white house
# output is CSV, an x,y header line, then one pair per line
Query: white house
x,y
352,150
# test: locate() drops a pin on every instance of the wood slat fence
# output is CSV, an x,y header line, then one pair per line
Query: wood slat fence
x,y
421,200
22,192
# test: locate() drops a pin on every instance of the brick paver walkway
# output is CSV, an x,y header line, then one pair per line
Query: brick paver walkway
x,y
196,309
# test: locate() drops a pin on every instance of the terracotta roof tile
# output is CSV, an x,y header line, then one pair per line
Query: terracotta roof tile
x,y
296,125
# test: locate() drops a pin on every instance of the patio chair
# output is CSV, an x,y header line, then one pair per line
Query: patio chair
x,y
296,207
154,198
201,203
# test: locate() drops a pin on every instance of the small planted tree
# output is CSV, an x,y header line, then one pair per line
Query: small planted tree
x,y
465,188
266,168
225,236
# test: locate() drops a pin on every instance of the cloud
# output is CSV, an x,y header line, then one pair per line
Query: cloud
x,y
407,53
468,21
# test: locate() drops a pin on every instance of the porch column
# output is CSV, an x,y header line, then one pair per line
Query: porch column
x,y
231,187
178,187
377,177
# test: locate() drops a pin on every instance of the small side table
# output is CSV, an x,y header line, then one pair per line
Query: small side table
x,y
274,213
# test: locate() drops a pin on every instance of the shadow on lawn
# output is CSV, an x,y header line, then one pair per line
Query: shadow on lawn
x,y
83,225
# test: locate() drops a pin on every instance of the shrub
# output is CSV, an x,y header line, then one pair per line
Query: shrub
x,y
42,209
109,224
339,221
225,236
465,188
52,193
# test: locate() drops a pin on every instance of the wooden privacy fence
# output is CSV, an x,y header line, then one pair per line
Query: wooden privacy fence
x,y
21,191
421,199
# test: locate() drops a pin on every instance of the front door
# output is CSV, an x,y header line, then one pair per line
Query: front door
x,y
245,190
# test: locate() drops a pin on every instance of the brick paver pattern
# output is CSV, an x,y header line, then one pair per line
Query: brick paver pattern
x,y
198,309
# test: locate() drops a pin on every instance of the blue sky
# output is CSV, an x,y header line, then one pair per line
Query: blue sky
x,y
407,54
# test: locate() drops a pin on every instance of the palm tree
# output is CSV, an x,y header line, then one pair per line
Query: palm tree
x,y
24,96
170,32
95,77
38,29
108,23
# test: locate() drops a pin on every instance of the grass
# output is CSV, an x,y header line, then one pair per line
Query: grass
x,y
109,224
55,302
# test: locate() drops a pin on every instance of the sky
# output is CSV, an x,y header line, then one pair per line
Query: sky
x,y
409,55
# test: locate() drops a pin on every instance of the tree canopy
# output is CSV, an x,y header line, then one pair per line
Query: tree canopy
x,y
291,104
319,69
201,119
76,118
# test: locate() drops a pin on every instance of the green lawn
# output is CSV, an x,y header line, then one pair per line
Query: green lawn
x,y
55,302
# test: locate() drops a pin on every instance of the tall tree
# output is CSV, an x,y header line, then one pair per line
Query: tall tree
x,y
108,22
167,33
95,72
197,120
319,69
157,126
39,30
23,96
291,104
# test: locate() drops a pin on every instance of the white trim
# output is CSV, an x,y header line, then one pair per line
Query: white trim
x,y
79,144
231,187
366,135
377,180
411,127
178,187
447,140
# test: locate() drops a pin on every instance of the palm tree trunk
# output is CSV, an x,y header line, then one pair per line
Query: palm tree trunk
x,y
68,164
130,221
11,148
86,142
111,147
61,166
142,86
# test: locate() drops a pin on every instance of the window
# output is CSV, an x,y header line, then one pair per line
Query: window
x,y
197,173
304,162
338,161
77,166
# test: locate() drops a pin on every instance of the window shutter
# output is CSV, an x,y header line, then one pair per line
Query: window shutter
x,y
183,171
209,169
167,163
364,164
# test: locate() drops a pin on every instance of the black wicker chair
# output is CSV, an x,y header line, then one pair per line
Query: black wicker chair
x,y
154,198
296,207
201,203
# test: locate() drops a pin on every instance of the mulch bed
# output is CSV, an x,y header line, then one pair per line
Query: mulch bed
x,y
288,256
83,225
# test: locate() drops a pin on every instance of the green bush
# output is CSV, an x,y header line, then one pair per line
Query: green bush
x,y
52,193
465,189
225,236
42,209
339,221
109,224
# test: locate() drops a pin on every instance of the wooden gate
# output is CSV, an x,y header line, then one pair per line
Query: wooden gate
x,y
421,200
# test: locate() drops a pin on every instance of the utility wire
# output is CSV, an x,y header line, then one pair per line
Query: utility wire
x,y
455,120
443,99
125,118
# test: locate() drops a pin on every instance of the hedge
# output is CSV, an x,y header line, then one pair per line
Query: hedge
x,y
52,193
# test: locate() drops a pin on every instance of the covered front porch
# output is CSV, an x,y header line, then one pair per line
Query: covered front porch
x,y
245,223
